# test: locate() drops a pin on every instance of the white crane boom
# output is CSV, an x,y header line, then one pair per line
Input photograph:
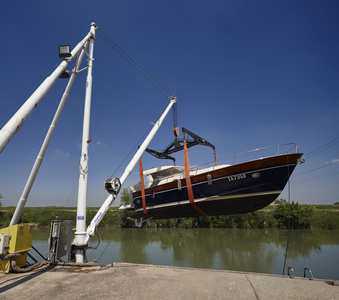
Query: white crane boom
x,y
19,118
113,185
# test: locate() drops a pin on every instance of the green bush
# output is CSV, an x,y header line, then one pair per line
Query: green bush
x,y
325,219
292,215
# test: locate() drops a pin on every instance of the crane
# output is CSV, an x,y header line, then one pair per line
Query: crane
x,y
82,234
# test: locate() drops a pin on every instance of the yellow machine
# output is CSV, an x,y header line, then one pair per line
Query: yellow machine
x,y
16,239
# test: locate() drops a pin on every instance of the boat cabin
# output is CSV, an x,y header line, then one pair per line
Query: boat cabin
x,y
164,174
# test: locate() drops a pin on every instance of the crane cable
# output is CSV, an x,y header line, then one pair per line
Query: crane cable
x,y
323,147
315,117
312,154
135,65
135,146
149,78
143,72
114,231
289,216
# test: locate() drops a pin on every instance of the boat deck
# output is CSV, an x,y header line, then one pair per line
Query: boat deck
x,y
134,281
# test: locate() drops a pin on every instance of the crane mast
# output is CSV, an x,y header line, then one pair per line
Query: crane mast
x,y
113,186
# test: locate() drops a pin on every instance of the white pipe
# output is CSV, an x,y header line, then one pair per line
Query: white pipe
x,y
80,233
109,200
40,157
19,118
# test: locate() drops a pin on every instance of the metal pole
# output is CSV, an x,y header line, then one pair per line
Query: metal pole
x,y
15,123
109,200
40,157
80,233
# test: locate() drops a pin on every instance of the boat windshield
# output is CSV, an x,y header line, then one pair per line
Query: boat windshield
x,y
165,173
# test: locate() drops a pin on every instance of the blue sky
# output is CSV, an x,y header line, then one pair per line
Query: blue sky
x,y
247,74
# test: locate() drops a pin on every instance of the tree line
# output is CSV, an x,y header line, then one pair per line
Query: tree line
x,y
281,215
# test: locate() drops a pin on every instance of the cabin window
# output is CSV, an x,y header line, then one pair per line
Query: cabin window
x,y
164,176
165,173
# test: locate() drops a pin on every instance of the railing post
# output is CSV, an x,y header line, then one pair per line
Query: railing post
x,y
234,159
307,269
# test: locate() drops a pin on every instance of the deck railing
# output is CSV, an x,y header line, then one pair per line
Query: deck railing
x,y
261,152
258,153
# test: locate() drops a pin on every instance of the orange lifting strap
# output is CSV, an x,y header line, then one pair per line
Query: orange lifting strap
x,y
141,170
188,182
215,158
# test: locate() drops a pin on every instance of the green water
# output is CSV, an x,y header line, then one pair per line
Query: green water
x,y
252,250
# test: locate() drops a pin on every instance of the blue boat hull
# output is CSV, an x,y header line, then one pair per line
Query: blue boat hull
x,y
236,189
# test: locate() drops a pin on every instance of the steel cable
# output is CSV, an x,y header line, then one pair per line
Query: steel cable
x,y
135,65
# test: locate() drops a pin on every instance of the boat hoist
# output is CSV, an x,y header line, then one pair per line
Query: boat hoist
x,y
178,145
261,181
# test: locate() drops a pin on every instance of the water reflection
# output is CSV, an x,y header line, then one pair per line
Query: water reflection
x,y
253,250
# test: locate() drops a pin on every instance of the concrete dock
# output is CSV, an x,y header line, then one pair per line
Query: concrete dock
x,y
135,281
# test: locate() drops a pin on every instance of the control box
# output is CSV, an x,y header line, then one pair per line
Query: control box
x,y
60,239
15,239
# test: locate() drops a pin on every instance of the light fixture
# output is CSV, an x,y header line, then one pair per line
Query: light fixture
x,y
64,51
65,74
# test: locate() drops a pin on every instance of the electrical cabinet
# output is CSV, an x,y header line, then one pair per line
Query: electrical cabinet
x,y
60,239
19,241
4,243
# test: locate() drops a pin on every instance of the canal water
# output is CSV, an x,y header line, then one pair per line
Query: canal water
x,y
251,250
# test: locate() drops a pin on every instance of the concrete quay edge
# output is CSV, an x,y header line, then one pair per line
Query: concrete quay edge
x,y
138,281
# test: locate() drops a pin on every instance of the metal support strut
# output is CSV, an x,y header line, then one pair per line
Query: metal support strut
x,y
178,145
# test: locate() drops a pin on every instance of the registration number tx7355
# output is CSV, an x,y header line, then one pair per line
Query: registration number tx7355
x,y
236,177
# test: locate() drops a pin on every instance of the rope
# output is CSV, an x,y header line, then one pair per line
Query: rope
x,y
135,146
99,242
323,147
112,236
310,122
303,180
316,176
289,215
135,65
317,168
145,74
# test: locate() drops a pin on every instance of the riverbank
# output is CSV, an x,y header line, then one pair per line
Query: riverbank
x,y
277,215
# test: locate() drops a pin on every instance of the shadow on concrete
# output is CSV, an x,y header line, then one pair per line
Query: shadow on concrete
x,y
24,278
